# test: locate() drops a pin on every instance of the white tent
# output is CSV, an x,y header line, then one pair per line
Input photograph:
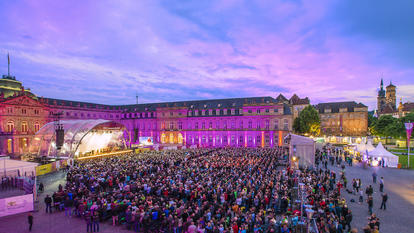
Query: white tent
x,y
362,147
380,152
303,148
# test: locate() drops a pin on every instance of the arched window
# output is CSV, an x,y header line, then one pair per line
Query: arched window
x,y
10,126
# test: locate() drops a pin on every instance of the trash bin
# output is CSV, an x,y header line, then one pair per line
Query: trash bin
x,y
399,166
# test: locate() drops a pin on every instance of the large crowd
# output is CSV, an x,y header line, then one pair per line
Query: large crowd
x,y
205,190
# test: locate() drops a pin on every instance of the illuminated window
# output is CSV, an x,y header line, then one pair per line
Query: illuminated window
x,y
267,124
180,125
250,124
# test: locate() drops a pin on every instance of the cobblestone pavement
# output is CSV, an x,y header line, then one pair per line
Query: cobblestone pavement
x,y
398,184
398,218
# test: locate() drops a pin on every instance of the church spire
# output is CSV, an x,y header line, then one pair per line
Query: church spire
x,y
382,84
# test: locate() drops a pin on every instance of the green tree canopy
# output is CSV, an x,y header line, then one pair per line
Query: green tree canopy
x,y
307,122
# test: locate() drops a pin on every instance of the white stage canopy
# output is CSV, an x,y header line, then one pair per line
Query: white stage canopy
x,y
380,152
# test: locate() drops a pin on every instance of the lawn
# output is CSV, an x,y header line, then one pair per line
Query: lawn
x,y
403,160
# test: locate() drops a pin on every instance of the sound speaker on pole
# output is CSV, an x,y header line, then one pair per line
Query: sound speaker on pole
x,y
60,136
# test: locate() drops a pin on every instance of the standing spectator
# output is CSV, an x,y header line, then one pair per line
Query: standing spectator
x,y
68,206
48,202
95,220
348,219
88,220
30,219
374,177
384,201
370,202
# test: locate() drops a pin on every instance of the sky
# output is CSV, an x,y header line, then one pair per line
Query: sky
x,y
109,51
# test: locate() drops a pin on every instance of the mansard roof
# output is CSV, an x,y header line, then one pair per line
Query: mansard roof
x,y
192,104
335,106
408,107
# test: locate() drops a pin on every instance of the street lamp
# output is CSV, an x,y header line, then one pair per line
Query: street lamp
x,y
409,129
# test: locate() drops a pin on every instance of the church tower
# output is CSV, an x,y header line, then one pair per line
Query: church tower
x,y
390,96
381,98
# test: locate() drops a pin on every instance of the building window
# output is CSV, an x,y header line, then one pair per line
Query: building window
x,y
267,124
228,111
224,139
180,114
24,126
23,111
10,126
258,125
276,110
217,125
180,125
36,126
232,112
163,125
221,112
286,124
196,125
250,124
225,125
249,111
171,114
233,124
233,139
203,113
9,110
171,125
258,139
210,112
267,110
36,111
203,125
258,111
210,125
241,124
250,139
276,124
240,139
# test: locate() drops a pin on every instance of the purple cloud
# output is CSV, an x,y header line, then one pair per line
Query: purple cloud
x,y
175,50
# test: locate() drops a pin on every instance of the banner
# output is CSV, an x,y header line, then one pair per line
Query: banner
x,y
146,141
43,169
16,205
409,129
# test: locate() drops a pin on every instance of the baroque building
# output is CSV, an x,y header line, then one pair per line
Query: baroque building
x,y
242,122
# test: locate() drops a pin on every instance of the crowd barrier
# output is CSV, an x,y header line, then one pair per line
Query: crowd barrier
x,y
16,205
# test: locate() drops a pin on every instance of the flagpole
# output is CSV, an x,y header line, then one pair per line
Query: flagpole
x,y
8,64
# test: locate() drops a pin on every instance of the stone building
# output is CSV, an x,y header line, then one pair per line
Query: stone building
x,y
343,118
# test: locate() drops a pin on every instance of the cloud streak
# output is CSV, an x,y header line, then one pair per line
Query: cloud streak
x,y
175,50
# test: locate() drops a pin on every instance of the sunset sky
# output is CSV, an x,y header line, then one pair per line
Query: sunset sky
x,y
328,50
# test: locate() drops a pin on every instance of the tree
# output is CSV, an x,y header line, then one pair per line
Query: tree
x,y
382,123
372,120
307,122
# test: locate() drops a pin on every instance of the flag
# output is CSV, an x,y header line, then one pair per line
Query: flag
x,y
409,129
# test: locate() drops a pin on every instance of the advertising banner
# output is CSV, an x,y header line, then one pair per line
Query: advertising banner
x,y
16,205
146,141
43,169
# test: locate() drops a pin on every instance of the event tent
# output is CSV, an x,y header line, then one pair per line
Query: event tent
x,y
362,147
303,148
380,152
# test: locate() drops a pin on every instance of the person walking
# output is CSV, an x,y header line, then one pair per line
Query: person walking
x,y
381,189
374,177
384,201
48,202
30,220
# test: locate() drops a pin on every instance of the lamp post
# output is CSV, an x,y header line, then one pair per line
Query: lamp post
x,y
409,129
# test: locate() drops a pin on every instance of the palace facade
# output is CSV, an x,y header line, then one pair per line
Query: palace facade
x,y
237,122
243,122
